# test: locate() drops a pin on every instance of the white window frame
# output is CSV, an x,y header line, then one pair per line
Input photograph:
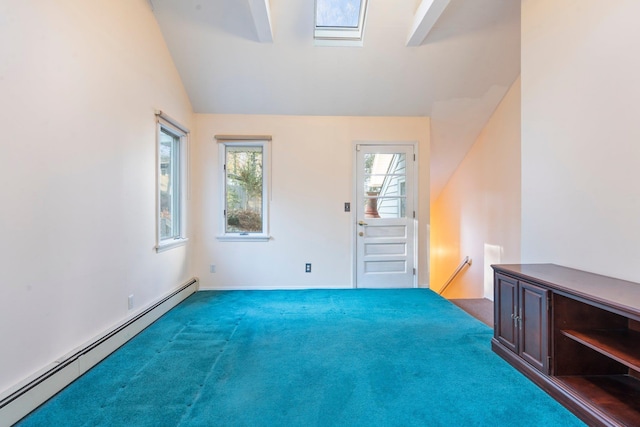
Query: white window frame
x,y
171,126
341,36
225,141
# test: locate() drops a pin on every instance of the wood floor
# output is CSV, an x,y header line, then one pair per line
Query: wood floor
x,y
480,308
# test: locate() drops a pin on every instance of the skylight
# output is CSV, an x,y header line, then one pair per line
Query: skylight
x,y
340,22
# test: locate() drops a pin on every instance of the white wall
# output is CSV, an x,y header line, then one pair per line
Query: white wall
x,y
478,211
312,177
580,135
79,82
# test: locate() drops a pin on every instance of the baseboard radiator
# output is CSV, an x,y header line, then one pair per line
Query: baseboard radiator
x,y
27,396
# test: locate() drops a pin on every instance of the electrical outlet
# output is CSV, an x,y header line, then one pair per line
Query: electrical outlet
x,y
307,267
212,268
130,302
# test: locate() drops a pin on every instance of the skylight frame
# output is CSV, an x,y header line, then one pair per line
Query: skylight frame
x,y
341,35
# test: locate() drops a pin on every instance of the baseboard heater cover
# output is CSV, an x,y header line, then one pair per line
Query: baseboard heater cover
x,y
27,397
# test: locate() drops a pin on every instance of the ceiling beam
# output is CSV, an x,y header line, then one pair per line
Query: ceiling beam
x,y
260,10
425,18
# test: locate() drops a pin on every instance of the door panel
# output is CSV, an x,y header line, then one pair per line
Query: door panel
x,y
534,321
382,266
505,322
385,249
383,230
384,216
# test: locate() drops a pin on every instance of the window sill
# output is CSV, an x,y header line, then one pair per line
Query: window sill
x,y
328,42
170,244
248,238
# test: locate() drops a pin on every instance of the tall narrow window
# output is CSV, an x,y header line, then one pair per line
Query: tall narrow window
x,y
169,185
171,142
245,199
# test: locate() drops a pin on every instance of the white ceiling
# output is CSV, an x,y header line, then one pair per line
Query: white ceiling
x,y
457,76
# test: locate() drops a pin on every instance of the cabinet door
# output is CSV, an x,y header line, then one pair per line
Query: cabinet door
x,y
533,325
506,300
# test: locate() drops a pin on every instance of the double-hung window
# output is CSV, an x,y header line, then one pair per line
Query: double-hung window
x,y
244,178
171,177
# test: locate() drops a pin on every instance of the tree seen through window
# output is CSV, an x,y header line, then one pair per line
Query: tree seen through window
x,y
244,182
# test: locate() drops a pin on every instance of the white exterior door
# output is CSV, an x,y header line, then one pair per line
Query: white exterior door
x,y
384,216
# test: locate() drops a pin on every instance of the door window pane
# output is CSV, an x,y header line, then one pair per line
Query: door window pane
x,y
384,185
385,207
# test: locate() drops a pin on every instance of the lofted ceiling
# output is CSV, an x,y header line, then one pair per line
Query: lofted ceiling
x,y
457,75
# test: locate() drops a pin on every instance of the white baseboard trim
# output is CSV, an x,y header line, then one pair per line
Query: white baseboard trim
x,y
26,396
288,288
271,288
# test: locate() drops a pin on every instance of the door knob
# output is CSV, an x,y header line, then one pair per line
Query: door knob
x,y
362,223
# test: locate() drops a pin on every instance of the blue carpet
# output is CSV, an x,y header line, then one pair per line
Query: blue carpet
x,y
306,358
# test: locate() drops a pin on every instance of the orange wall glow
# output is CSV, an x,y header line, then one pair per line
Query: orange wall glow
x,y
478,212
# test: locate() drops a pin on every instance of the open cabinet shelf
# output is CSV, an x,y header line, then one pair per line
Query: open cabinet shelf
x,y
620,345
617,395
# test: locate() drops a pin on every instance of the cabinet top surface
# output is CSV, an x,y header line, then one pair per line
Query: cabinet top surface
x,y
591,286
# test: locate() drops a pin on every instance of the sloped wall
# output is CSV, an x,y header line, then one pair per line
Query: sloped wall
x,y
79,81
478,212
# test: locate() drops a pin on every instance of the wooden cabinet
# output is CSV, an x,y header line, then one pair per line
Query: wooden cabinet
x,y
521,320
575,334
